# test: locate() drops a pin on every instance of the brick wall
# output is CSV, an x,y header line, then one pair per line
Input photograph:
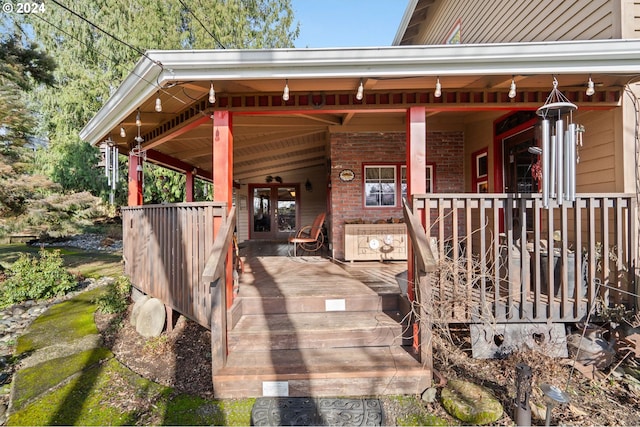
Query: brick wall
x,y
351,150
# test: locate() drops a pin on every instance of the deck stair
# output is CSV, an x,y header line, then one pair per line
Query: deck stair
x,y
305,327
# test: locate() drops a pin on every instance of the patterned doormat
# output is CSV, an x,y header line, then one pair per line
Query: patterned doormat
x,y
301,411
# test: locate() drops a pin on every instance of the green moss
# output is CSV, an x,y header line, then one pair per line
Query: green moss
x,y
191,410
67,321
87,263
421,420
471,403
36,380
85,400
417,414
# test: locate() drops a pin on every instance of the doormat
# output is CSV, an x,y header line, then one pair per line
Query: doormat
x,y
302,411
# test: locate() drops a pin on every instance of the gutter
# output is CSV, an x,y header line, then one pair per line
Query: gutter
x,y
585,56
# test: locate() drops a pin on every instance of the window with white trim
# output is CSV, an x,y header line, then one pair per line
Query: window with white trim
x,y
428,177
380,183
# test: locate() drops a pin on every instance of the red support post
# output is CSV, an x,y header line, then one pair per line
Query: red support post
x,y
223,176
416,183
188,197
135,181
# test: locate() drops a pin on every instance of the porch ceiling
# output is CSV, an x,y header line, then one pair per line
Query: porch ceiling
x,y
270,134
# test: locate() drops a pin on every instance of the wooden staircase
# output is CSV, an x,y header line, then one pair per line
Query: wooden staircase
x,y
305,327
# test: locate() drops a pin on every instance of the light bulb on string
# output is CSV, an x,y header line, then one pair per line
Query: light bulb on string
x,y
212,95
360,92
590,87
512,89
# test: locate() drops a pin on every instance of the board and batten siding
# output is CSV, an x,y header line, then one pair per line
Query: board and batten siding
x,y
506,21
596,171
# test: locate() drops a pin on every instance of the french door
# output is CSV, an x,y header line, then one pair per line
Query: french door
x,y
274,210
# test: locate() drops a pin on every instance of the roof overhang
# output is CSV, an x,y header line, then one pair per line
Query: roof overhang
x,y
618,58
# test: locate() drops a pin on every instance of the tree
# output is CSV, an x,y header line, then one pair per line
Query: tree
x,y
94,59
22,65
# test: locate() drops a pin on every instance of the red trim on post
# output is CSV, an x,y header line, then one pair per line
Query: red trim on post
x,y
416,183
223,176
135,182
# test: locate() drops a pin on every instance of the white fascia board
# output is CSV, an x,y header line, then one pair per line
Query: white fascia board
x,y
597,56
137,87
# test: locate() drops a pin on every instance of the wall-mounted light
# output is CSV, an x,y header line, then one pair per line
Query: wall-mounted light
x,y
512,89
285,92
138,121
123,134
307,186
359,93
590,87
212,95
158,104
438,92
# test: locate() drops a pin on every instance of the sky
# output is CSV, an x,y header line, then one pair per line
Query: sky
x,y
347,23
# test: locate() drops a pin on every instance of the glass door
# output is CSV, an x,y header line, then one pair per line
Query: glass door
x,y
274,211
519,161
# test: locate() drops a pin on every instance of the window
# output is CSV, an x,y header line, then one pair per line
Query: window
x,y
380,183
480,170
429,184
429,177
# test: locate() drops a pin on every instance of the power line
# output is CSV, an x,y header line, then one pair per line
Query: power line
x,y
150,83
140,52
201,24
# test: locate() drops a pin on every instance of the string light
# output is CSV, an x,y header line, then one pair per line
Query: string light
x,y
512,89
590,87
438,92
123,134
212,95
360,92
158,104
285,93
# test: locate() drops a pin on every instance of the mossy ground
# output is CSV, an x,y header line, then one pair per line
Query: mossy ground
x,y
85,263
91,387
67,321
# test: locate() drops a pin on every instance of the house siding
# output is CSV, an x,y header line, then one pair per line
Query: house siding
x,y
445,149
503,21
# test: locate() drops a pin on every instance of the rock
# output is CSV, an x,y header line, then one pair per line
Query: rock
x,y
136,294
538,412
471,403
3,409
592,348
136,309
151,318
429,395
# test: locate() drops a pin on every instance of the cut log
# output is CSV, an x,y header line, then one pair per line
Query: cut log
x,y
151,319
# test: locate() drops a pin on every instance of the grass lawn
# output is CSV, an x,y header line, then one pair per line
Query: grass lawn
x,y
86,263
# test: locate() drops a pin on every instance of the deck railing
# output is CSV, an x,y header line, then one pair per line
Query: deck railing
x,y
493,253
166,248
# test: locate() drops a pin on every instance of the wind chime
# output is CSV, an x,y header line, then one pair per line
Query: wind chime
x,y
109,154
560,141
137,151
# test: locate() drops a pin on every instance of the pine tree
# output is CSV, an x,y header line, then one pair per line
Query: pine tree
x,y
94,59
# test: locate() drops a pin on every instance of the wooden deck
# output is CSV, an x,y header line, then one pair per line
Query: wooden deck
x,y
314,328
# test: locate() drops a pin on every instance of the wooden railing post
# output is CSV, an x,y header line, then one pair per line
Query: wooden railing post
x,y
425,265
214,274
